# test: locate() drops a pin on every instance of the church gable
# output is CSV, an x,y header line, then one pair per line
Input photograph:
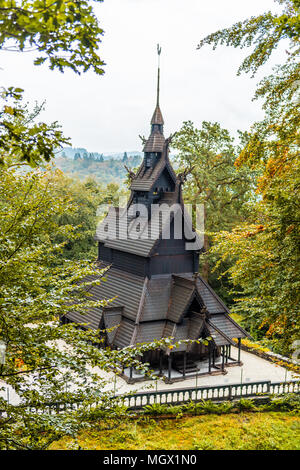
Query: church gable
x,y
184,300
165,182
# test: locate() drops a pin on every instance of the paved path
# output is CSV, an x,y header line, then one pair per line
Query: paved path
x,y
254,369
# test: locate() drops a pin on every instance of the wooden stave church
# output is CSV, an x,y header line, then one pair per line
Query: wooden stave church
x,y
155,284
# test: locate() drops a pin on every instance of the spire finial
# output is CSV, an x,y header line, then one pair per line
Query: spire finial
x,y
158,73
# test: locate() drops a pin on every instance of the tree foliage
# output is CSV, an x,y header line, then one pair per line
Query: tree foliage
x,y
265,249
21,136
209,153
87,197
48,363
64,33
264,32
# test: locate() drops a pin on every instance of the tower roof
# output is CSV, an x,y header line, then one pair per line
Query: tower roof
x,y
155,143
157,117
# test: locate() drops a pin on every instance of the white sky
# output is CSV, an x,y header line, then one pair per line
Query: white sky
x,y
107,113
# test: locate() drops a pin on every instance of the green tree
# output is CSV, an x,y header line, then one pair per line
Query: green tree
x,y
47,362
87,196
65,35
21,136
209,153
266,247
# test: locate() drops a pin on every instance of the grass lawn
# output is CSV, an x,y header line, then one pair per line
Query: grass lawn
x,y
244,431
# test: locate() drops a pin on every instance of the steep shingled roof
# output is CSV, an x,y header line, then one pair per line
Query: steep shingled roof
x,y
155,143
227,325
211,300
147,309
157,117
181,296
146,177
140,242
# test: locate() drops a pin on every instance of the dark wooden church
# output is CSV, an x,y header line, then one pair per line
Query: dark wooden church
x,y
154,279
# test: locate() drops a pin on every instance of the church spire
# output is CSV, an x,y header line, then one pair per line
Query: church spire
x,y
157,118
158,73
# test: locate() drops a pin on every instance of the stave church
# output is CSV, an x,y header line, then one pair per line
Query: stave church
x,y
152,275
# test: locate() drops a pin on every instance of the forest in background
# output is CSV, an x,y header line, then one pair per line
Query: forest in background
x,y
104,169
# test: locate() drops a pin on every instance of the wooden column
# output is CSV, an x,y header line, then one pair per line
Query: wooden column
x,y
184,364
169,366
223,358
239,349
209,359
160,361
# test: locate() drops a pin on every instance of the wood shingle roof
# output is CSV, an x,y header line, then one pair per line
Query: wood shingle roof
x,y
157,117
147,309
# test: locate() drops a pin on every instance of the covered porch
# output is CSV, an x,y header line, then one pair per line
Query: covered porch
x,y
188,361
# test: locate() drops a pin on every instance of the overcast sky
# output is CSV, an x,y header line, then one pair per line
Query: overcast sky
x,y
107,113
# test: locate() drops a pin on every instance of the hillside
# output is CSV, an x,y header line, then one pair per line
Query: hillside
x,y
103,170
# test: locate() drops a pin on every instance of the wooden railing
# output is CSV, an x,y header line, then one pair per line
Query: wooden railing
x,y
216,393
176,396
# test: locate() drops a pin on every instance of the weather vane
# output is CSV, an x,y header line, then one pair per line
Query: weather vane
x,y
158,53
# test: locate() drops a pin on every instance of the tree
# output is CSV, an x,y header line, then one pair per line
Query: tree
x,y
125,158
87,196
263,257
66,35
47,362
266,247
209,154
21,136
264,32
